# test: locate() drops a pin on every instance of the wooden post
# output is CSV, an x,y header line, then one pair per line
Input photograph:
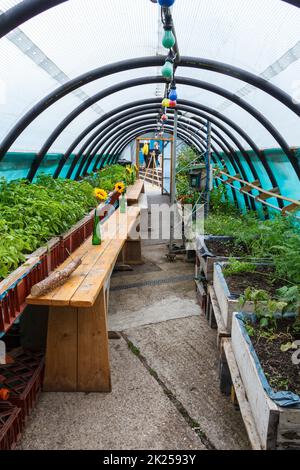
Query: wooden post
x,y
77,356
93,357
61,353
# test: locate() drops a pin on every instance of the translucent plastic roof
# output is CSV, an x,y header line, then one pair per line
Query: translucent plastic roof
x,y
258,36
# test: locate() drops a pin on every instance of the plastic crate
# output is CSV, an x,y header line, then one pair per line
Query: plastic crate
x,y
11,425
13,298
24,379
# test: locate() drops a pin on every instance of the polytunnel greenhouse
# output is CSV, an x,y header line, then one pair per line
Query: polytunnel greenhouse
x,y
149,228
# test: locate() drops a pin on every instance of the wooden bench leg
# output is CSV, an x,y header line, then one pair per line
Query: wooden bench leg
x,y
77,355
133,252
61,352
93,354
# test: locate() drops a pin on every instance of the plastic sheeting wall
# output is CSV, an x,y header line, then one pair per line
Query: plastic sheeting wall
x,y
15,165
77,36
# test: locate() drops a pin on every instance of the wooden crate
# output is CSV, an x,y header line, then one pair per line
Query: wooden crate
x,y
206,258
230,380
228,302
201,294
277,427
214,316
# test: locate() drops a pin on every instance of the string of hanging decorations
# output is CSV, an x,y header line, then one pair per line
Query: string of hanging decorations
x,y
168,70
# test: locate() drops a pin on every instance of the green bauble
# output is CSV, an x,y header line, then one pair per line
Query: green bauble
x,y
167,70
169,39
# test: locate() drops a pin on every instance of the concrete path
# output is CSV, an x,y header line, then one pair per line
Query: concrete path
x,y
164,374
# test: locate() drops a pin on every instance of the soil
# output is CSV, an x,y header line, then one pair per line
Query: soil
x,y
226,248
260,279
278,366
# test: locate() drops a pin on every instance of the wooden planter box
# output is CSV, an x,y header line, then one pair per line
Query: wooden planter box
x,y
228,302
206,258
277,427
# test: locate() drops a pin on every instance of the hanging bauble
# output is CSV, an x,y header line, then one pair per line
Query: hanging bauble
x,y
164,118
169,39
173,94
165,103
166,3
167,70
173,104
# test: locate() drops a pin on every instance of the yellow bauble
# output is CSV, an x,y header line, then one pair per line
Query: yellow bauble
x,y
165,103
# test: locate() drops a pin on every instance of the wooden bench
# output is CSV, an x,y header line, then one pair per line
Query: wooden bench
x,y
133,192
77,356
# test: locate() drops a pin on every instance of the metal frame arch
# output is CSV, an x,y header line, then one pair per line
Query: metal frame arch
x,y
28,9
198,145
85,78
223,118
90,153
114,133
108,148
215,113
180,80
216,157
239,169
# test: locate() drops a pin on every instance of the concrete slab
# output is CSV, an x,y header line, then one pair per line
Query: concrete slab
x,y
136,415
133,307
184,355
155,312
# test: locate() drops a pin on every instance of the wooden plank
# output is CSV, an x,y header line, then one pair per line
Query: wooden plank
x,y
290,208
93,355
248,187
133,192
241,396
89,271
288,436
222,331
232,178
265,412
61,352
88,291
263,196
64,293
57,296
278,196
90,254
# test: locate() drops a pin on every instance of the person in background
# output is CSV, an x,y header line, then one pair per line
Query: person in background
x,y
145,152
156,153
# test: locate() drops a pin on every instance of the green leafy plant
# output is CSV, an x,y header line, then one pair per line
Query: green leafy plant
x,y
235,267
267,308
31,214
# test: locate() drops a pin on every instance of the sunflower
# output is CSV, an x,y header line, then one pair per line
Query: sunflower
x,y
129,170
100,194
135,167
120,187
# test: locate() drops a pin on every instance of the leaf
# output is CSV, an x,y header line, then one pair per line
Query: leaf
x,y
288,346
264,322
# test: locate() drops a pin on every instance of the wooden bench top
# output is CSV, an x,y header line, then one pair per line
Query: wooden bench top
x,y
84,285
133,192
